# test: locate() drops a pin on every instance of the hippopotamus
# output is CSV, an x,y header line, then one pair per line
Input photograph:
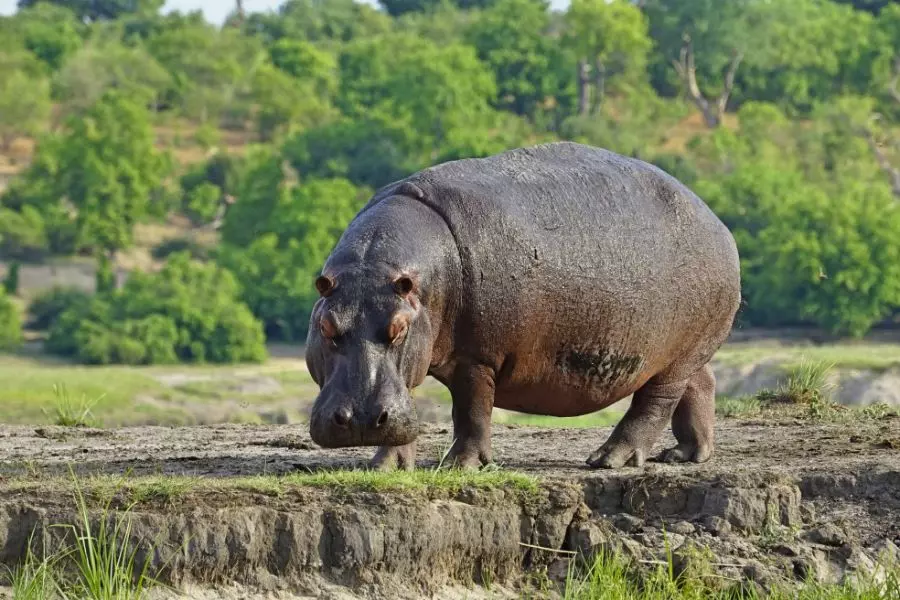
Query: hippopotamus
x,y
555,279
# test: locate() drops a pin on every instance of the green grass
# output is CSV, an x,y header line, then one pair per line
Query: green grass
x,y
171,488
102,562
603,418
847,355
611,577
119,396
73,412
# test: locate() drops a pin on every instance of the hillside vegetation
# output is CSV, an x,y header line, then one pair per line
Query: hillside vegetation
x,y
262,138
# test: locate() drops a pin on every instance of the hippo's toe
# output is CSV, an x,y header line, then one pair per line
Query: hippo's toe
x,y
614,455
685,453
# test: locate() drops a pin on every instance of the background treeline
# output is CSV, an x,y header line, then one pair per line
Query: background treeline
x,y
781,114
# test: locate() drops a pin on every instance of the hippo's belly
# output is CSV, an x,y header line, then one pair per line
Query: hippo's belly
x,y
570,383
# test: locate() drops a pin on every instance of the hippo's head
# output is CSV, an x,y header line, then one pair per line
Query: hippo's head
x,y
369,344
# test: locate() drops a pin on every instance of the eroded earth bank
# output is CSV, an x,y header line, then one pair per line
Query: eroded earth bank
x,y
779,501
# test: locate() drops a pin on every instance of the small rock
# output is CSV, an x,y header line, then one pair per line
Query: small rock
x,y
757,572
631,549
807,512
886,550
828,534
682,527
786,549
717,526
627,523
583,537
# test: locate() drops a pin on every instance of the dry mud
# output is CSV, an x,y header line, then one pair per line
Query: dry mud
x,y
778,501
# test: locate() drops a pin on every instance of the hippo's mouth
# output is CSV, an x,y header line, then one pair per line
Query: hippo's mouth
x,y
401,430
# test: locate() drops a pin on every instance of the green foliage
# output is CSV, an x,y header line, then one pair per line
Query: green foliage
x,y
454,89
46,308
100,67
333,21
277,239
11,281
400,7
24,104
187,312
50,31
94,10
612,37
105,167
10,323
529,67
73,412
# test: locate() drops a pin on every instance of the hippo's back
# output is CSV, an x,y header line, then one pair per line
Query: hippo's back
x,y
571,249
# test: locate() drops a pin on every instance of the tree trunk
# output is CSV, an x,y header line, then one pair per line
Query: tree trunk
x,y
712,111
584,89
599,86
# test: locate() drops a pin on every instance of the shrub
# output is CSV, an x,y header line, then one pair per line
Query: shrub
x,y
188,312
10,323
47,307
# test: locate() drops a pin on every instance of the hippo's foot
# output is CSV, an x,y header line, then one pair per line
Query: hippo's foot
x,y
686,452
615,454
469,455
389,458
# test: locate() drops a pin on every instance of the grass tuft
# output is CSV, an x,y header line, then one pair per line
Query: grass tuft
x,y
71,412
742,406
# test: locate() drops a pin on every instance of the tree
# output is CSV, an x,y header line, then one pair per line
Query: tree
x,y
210,69
278,235
529,67
100,67
395,8
24,105
320,21
52,32
454,90
95,10
188,312
609,38
106,174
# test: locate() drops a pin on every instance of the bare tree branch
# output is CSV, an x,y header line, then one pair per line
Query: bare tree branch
x,y
894,85
884,162
722,102
687,71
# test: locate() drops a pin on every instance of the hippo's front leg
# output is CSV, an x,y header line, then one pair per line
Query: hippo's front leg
x,y
389,458
472,389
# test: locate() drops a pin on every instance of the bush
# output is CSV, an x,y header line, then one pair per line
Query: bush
x,y
188,312
165,249
10,323
47,307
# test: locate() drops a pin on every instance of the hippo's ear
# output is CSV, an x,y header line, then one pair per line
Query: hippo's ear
x,y
405,285
324,285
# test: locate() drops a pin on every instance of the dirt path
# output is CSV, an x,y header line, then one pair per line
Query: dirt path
x,y
777,501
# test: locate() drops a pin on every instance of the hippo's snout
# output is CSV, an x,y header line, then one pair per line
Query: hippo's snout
x,y
338,422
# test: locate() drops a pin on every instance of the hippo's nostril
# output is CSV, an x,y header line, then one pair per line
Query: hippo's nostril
x,y
382,419
342,417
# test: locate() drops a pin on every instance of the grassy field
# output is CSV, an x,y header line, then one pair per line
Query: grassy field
x,y
40,390
850,355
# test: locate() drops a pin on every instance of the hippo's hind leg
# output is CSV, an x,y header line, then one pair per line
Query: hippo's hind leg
x,y
651,411
389,458
694,420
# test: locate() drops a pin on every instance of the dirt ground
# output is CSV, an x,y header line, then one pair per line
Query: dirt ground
x,y
778,500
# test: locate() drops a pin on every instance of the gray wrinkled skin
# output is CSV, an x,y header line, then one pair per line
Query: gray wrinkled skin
x,y
552,280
